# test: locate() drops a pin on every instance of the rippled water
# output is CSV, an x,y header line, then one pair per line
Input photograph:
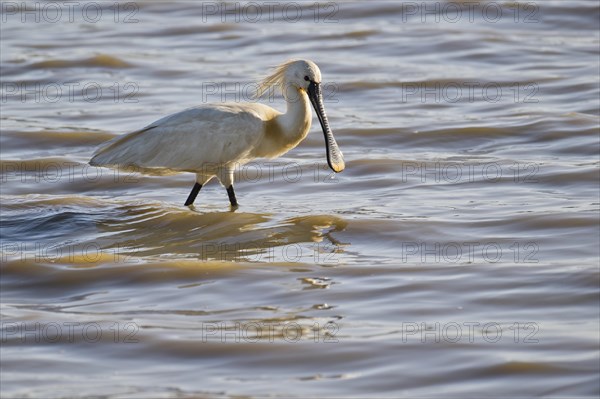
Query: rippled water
x,y
456,255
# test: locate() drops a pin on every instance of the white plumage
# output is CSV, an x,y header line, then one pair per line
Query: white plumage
x,y
212,140
189,140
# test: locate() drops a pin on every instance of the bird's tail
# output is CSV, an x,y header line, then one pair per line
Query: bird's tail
x,y
117,151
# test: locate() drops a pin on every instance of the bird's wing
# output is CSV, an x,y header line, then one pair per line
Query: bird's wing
x,y
190,140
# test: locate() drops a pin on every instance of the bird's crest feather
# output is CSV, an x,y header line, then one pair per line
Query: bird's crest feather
x,y
274,80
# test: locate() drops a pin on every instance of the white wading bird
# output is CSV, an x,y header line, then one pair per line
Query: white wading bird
x,y
211,140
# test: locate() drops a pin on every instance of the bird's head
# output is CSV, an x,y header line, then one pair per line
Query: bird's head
x,y
299,74
305,76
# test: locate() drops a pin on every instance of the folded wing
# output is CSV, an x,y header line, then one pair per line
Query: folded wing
x,y
191,140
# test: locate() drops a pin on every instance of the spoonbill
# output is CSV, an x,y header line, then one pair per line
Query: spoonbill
x,y
211,140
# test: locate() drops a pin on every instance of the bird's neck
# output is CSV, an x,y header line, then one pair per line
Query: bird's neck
x,y
295,122
286,130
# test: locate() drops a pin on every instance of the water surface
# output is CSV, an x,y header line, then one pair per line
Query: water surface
x,y
456,255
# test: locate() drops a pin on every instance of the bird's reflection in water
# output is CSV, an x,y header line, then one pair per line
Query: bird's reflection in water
x,y
154,231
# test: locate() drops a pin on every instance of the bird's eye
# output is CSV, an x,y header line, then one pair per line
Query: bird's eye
x,y
306,78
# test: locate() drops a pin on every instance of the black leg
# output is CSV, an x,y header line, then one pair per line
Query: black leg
x,y
193,194
231,195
